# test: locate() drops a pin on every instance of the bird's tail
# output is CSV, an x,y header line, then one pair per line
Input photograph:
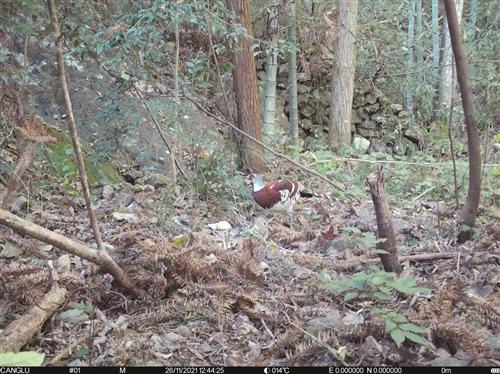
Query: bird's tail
x,y
304,192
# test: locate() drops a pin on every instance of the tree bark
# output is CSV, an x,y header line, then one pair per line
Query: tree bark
x,y
410,62
245,87
435,35
446,72
107,261
469,211
343,77
269,110
293,111
389,260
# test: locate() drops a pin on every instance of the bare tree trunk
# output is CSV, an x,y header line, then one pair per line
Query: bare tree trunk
x,y
446,71
390,259
245,86
343,76
410,62
293,111
106,260
269,110
471,205
435,35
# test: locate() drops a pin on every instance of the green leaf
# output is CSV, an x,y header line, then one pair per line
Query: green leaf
x,y
381,251
415,338
378,279
389,325
21,359
350,295
398,336
358,284
381,296
413,328
396,317
361,276
82,352
350,230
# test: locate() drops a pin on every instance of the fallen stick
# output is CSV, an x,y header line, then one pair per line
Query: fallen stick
x,y
79,249
428,256
19,332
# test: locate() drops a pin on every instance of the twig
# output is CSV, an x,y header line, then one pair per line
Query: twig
x,y
428,256
272,151
427,164
267,329
160,131
67,351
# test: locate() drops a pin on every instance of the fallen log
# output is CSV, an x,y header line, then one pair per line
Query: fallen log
x,y
79,249
19,332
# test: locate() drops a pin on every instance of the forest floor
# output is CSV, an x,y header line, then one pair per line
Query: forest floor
x,y
251,293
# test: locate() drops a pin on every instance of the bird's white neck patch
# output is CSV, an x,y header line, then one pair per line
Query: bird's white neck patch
x,y
258,184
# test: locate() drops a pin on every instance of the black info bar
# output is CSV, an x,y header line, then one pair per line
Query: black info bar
x,y
247,369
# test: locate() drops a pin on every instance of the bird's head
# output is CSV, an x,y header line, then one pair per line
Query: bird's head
x,y
257,181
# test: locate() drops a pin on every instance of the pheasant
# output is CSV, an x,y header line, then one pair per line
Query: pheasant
x,y
279,195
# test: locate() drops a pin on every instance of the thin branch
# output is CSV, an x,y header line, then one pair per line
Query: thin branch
x,y
272,151
160,131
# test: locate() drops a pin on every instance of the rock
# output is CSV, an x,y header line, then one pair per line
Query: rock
x,y
373,108
107,192
184,331
303,77
367,129
73,316
158,180
221,225
20,204
10,249
302,88
131,175
360,144
306,124
149,188
242,324
396,108
172,340
307,111
332,320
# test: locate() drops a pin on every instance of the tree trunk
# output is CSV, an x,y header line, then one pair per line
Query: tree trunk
x,y
390,259
269,112
435,35
293,111
410,62
418,33
245,87
471,205
446,72
343,76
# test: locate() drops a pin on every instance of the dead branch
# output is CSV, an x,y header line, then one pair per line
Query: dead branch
x,y
79,249
19,332
389,260
428,256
